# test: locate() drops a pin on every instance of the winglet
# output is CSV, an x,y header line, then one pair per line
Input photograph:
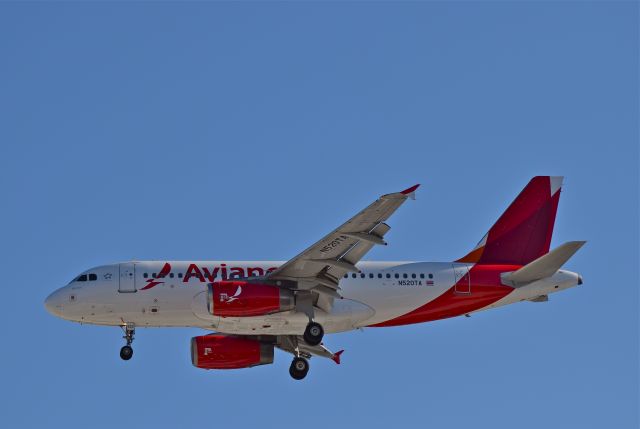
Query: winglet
x,y
411,192
336,357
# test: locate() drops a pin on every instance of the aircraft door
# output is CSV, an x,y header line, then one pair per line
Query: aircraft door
x,y
462,278
127,278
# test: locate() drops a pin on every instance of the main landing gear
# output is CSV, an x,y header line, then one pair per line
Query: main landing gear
x,y
313,334
299,368
126,352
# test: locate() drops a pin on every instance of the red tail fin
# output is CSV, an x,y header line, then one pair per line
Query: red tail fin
x,y
523,232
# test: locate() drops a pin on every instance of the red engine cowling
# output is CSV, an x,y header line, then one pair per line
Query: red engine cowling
x,y
231,298
217,351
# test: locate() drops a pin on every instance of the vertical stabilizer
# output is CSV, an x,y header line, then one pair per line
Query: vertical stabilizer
x,y
523,232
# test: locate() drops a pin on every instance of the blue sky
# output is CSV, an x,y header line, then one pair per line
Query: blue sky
x,y
249,130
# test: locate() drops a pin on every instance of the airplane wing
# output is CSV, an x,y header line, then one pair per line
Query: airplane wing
x,y
320,267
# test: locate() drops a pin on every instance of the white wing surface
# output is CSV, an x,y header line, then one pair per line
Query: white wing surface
x,y
320,267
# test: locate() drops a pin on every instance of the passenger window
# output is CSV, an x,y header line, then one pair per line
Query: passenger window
x,y
430,275
153,275
413,276
346,275
379,275
397,276
354,275
362,275
370,275
180,275
93,277
145,275
388,275
404,276
421,275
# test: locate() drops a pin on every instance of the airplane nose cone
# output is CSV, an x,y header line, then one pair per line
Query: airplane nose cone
x,y
54,303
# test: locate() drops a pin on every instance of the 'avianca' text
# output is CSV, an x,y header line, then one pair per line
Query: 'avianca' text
x,y
204,274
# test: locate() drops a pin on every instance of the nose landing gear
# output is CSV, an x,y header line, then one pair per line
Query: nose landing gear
x,y
126,352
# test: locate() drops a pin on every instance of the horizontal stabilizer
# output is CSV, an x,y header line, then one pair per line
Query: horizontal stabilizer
x,y
544,266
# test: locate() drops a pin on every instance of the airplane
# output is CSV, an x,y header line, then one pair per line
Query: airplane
x,y
253,307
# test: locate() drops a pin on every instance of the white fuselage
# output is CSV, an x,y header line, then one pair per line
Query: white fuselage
x,y
134,293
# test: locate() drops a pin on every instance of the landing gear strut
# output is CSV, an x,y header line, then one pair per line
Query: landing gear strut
x,y
313,334
126,352
299,368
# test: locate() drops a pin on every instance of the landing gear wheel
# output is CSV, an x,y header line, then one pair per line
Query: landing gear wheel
x,y
313,334
126,352
299,368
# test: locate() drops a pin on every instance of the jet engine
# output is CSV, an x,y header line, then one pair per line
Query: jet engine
x,y
231,298
217,351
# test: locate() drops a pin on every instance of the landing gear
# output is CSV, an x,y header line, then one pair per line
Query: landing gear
x,y
299,368
126,352
313,334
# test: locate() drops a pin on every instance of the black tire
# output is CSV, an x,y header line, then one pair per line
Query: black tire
x,y
313,334
299,368
126,352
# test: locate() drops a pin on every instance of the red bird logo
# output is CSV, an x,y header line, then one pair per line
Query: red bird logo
x,y
164,272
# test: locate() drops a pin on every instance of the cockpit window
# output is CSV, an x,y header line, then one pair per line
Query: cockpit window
x,y
82,278
93,277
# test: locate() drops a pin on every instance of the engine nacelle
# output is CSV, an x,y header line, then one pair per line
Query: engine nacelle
x,y
231,298
217,351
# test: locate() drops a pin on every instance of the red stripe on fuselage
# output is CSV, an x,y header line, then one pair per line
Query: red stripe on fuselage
x,y
486,288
